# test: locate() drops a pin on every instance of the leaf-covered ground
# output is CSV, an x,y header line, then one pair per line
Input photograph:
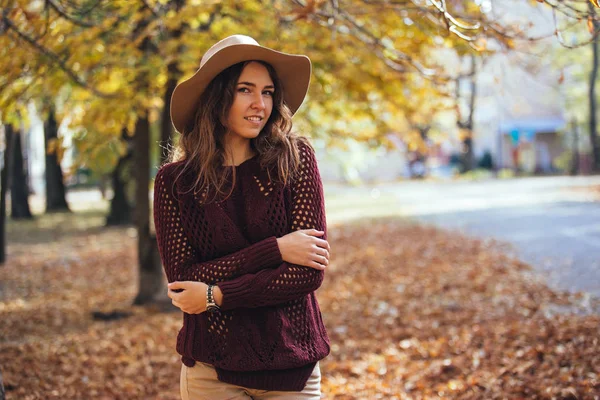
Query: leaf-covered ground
x,y
413,313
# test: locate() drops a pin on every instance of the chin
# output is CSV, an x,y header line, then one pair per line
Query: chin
x,y
252,135
247,132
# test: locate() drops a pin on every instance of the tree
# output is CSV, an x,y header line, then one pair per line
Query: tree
x,y
120,209
19,188
578,61
150,268
4,174
593,131
55,187
465,123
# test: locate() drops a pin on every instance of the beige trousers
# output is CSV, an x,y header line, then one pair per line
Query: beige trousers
x,y
200,383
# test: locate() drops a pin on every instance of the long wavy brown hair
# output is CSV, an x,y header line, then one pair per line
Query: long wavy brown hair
x,y
201,147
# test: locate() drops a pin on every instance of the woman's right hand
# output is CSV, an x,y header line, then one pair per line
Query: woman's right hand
x,y
304,247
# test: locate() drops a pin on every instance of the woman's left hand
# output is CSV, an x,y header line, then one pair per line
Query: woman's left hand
x,y
192,299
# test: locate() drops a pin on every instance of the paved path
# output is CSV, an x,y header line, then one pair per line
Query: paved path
x,y
553,223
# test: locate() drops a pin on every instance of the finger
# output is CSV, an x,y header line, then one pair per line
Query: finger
x,y
174,295
316,265
314,232
322,252
177,285
322,243
321,260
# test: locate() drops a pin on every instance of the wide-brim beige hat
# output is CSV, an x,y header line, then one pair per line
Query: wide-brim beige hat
x,y
293,71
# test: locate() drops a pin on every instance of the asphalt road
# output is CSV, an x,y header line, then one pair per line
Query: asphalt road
x,y
553,223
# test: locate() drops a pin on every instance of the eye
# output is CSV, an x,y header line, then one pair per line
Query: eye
x,y
268,93
244,90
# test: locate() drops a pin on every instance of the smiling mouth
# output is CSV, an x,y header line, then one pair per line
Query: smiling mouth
x,y
253,119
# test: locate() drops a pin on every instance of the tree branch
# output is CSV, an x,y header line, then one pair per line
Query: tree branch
x,y
149,7
56,7
368,37
55,59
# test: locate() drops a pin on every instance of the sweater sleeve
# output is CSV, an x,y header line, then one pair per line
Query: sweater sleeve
x,y
178,255
287,281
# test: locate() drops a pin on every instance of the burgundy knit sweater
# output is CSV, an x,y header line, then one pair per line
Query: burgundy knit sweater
x,y
269,333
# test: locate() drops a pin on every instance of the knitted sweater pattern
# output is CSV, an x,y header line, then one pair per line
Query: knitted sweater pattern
x,y
269,332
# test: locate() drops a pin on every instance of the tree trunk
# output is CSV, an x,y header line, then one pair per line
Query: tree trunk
x,y
19,192
6,162
55,188
151,281
575,149
120,209
467,125
152,285
592,94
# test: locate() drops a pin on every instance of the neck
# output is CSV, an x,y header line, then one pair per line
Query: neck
x,y
238,151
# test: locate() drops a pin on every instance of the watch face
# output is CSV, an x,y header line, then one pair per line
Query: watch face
x,y
212,308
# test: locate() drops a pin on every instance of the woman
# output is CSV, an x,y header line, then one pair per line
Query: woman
x,y
240,224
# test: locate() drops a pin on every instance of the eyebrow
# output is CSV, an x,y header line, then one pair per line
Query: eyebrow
x,y
253,85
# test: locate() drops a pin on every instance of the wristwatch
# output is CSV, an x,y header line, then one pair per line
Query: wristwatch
x,y
211,306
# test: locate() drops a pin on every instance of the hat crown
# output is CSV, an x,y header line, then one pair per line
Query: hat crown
x,y
224,43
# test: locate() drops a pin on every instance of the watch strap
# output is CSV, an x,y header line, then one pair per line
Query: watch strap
x,y
210,299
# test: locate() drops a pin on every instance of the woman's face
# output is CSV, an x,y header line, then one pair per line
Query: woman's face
x,y
253,102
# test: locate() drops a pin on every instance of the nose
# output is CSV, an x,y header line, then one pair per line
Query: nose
x,y
259,102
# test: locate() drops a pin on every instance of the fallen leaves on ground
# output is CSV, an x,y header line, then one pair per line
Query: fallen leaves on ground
x,y
412,312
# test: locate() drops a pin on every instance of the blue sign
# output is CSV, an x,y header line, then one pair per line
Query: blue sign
x,y
514,135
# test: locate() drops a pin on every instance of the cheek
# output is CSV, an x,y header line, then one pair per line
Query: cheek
x,y
236,109
269,106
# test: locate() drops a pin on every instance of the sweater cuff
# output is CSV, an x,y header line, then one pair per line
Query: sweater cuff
x,y
264,254
233,293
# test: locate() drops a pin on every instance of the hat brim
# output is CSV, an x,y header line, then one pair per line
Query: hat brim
x,y
293,71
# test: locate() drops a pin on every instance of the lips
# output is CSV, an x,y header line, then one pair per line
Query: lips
x,y
255,122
